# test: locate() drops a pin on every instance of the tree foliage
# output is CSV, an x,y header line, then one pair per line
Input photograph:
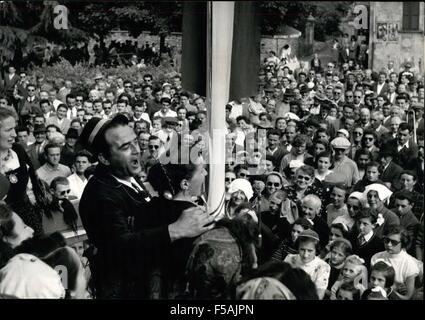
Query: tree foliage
x,y
327,16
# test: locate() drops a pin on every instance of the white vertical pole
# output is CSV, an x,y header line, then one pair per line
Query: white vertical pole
x,y
221,18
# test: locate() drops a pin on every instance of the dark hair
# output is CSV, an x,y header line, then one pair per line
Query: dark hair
x,y
300,140
62,105
410,173
398,229
308,239
167,178
387,270
362,151
51,145
367,213
304,223
243,118
348,286
6,222
405,126
84,153
344,244
22,129
341,228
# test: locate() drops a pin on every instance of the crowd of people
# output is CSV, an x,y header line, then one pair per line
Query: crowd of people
x,y
323,182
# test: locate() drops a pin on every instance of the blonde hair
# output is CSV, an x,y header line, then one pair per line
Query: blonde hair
x,y
313,199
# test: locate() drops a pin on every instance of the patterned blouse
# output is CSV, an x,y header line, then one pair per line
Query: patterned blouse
x,y
318,270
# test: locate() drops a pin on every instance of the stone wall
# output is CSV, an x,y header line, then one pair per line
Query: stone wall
x,y
409,45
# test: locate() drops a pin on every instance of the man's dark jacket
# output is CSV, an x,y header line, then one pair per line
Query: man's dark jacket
x,y
123,256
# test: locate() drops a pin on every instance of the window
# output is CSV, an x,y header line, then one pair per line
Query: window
x,y
410,15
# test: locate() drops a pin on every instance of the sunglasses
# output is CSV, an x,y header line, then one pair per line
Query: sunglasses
x,y
393,242
153,147
229,179
339,150
273,184
80,100
305,178
358,133
65,192
368,139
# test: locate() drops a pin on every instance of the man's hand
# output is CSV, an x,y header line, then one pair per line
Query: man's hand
x,y
191,223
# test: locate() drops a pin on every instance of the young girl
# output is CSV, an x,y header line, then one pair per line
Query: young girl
x,y
347,291
306,259
340,249
382,275
353,272
337,231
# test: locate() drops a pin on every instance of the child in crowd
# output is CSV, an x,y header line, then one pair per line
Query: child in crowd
x,y
337,208
382,276
287,246
340,249
353,272
347,291
307,260
337,231
366,243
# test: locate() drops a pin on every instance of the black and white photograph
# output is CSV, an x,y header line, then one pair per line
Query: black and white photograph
x,y
211,151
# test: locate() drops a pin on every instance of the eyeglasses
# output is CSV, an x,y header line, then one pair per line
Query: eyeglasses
x,y
79,100
305,178
273,184
339,150
64,192
229,179
369,139
153,147
393,242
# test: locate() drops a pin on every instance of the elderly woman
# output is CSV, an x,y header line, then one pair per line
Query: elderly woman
x,y
303,184
240,191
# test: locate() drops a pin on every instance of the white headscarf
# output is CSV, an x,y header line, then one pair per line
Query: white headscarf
x,y
242,185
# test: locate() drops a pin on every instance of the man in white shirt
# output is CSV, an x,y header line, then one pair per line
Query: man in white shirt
x,y
165,110
53,100
77,180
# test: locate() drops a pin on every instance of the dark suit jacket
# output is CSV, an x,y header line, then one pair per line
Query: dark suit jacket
x,y
403,156
392,174
9,84
277,155
368,249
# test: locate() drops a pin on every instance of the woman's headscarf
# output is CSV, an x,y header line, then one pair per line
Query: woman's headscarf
x,y
383,192
264,288
241,185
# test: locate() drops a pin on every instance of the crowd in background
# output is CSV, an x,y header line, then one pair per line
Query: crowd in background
x,y
324,182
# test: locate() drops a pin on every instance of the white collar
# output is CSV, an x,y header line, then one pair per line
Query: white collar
x,y
404,145
368,236
129,183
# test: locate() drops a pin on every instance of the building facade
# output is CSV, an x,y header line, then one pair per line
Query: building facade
x,y
397,34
